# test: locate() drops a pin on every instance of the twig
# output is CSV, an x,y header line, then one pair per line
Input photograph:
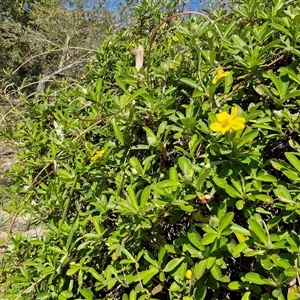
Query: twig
x,y
41,85
47,52
29,288
8,152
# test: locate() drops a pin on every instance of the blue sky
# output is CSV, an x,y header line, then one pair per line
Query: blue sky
x,y
197,5
192,4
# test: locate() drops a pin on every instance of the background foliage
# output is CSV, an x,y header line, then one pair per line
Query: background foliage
x,y
138,197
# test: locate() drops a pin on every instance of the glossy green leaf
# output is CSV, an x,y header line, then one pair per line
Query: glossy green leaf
x,y
241,247
200,268
195,239
147,275
225,221
258,231
216,272
283,194
236,285
43,296
209,238
266,178
87,293
171,265
132,197
258,279
293,160
246,296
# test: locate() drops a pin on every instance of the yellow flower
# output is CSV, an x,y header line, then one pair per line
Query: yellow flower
x,y
189,274
228,121
97,155
175,38
220,74
293,16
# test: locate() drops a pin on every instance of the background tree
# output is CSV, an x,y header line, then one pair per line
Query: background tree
x,y
30,28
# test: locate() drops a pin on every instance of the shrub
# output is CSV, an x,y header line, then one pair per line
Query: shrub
x,y
177,182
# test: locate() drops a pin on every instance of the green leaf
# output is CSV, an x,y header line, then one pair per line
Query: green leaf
x,y
190,82
266,178
209,238
87,293
95,274
132,197
132,295
200,292
201,179
285,169
258,231
293,160
180,271
185,166
290,272
43,296
145,196
236,285
135,163
225,221
129,256
195,239
117,131
150,258
121,84
200,269
232,192
283,194
147,275
242,247
258,279
73,269
281,28
67,294
293,292
171,265
64,174
246,296
239,229
216,272
291,73
248,138
166,183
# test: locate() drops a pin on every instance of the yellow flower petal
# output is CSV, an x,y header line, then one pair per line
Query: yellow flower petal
x,y
189,274
219,75
216,78
216,126
223,116
234,111
238,124
97,155
224,129
225,74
